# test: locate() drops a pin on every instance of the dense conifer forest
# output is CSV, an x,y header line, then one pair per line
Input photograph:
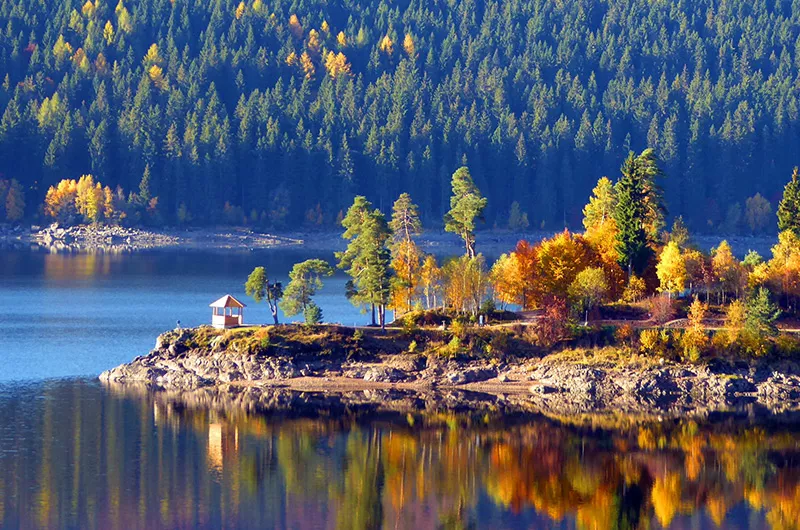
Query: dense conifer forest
x,y
275,113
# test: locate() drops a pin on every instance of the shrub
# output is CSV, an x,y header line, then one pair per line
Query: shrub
x,y
312,314
662,309
499,343
650,342
412,347
625,334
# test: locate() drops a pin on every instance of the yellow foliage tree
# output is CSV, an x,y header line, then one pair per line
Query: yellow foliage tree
x,y
336,64
295,27
89,198
307,65
671,269
14,201
728,272
156,74
62,48
341,38
291,59
240,9
408,45
406,265
325,27
430,276
88,9
108,32
59,202
506,279
313,40
386,45
560,259
465,283
152,56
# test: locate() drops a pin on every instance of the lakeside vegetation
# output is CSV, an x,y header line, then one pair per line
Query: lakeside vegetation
x,y
277,113
625,282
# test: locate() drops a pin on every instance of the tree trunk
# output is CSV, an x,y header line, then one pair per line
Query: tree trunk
x,y
373,314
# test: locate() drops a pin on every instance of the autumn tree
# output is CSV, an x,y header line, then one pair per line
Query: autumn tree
x,y
466,205
507,283
430,277
602,205
465,283
727,270
406,256
559,261
671,269
305,279
789,207
59,202
588,289
260,288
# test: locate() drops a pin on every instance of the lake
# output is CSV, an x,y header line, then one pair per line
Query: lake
x,y
75,454
79,314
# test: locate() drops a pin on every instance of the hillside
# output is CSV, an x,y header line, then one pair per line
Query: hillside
x,y
284,110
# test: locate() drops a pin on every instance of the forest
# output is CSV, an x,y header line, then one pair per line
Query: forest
x,y
277,113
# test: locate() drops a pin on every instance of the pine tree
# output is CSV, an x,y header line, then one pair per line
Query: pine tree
x,y
305,279
366,259
260,288
789,207
466,204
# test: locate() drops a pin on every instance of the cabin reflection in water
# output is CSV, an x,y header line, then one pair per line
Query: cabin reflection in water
x,y
223,440
73,455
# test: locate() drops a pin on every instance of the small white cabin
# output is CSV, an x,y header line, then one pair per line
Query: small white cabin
x,y
227,312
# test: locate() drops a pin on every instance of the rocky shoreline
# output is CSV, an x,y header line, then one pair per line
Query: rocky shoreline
x,y
118,239
548,385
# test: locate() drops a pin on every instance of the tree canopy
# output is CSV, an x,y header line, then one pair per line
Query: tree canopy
x,y
284,110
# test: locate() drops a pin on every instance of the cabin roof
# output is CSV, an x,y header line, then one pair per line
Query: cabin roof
x,y
227,301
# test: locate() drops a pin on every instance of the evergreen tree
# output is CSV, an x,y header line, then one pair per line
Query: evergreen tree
x,y
366,259
630,213
305,279
789,207
260,288
466,204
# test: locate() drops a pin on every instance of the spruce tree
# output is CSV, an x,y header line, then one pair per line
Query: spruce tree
x,y
789,207
630,212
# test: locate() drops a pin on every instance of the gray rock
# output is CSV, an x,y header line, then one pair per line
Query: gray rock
x,y
385,375
471,375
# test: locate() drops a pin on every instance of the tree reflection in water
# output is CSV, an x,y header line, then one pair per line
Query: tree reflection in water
x,y
73,454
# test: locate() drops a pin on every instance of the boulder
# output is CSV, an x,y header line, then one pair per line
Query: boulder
x,y
471,375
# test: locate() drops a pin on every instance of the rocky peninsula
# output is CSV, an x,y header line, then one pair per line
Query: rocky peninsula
x,y
253,364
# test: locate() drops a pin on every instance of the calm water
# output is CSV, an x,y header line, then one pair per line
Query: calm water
x,y
79,314
74,454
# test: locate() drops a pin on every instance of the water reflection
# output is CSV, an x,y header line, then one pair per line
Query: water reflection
x,y
74,455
